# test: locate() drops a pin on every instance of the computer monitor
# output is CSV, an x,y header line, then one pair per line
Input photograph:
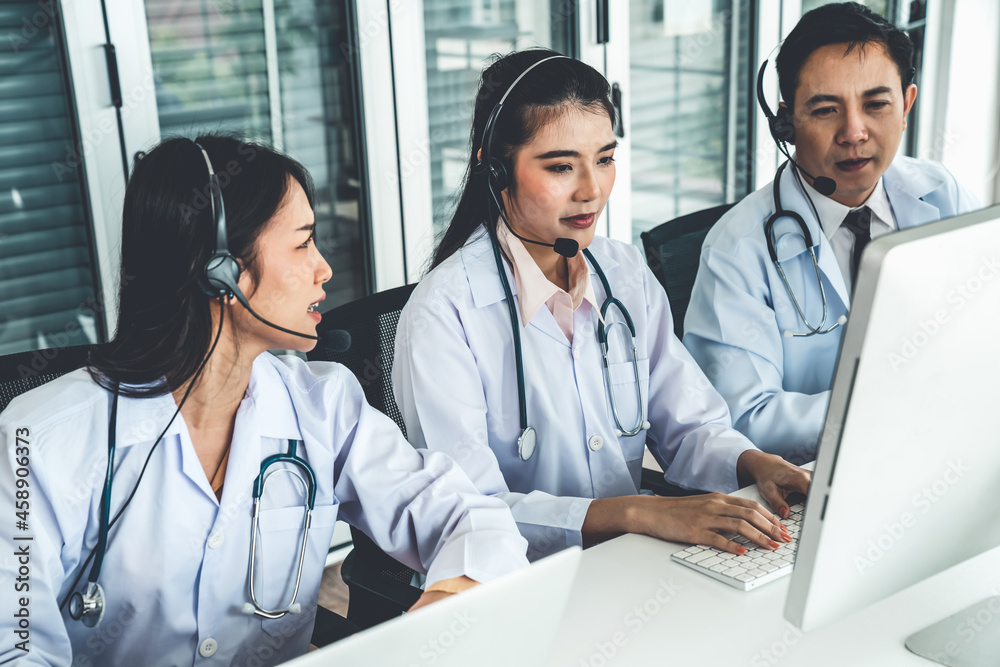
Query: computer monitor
x,y
907,478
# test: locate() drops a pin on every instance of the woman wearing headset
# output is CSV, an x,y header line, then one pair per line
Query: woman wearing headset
x,y
519,395
215,448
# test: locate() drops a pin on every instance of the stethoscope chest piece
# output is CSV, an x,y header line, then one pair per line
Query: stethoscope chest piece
x,y
89,606
526,444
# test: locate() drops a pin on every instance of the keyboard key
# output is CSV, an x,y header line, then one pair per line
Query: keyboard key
x,y
700,556
720,567
744,577
756,572
768,567
733,571
709,562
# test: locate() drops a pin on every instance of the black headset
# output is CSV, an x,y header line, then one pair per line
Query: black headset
x,y
781,126
782,130
499,172
221,273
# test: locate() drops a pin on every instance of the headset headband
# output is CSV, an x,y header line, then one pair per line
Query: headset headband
x,y
491,123
218,209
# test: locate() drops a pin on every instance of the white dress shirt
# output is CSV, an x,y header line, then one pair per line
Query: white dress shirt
x,y
831,217
176,570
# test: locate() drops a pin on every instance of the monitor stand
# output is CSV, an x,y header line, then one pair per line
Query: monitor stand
x,y
970,638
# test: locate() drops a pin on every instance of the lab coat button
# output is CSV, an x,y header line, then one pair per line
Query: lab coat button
x,y
596,442
576,353
215,540
208,648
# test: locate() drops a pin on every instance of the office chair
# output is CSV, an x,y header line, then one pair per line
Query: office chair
x,y
673,252
26,370
379,585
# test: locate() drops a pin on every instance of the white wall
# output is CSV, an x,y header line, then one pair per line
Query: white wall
x,y
969,139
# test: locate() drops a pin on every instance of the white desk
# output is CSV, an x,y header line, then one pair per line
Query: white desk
x,y
632,605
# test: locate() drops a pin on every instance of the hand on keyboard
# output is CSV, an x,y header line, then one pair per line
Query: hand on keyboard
x,y
702,520
754,567
775,477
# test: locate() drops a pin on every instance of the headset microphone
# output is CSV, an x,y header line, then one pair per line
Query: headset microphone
x,y
563,246
783,131
823,185
498,172
337,340
221,274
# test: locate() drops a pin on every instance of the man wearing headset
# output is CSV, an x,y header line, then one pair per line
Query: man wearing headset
x,y
764,322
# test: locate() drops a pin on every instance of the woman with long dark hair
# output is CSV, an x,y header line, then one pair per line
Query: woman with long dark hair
x,y
170,480
541,397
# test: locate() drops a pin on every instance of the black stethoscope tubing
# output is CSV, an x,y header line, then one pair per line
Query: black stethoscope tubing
x,y
781,212
84,604
526,441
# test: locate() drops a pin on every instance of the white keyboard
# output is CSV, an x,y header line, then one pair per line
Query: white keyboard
x,y
754,568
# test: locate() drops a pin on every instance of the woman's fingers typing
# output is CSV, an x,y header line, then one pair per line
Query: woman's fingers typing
x,y
707,519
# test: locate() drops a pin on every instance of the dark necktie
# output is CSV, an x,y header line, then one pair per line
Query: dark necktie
x,y
860,224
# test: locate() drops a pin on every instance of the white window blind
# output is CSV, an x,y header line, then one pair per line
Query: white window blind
x,y
47,282
277,71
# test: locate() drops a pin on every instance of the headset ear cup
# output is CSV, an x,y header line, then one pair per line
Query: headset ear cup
x,y
222,275
499,176
782,127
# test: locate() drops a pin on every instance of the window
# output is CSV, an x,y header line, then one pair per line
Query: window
x,y
47,281
277,72
459,39
689,65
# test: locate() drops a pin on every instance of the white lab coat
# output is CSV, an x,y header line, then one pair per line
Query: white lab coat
x,y
455,383
777,387
176,569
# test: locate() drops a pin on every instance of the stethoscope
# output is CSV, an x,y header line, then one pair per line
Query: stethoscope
x,y
309,490
780,212
89,606
527,440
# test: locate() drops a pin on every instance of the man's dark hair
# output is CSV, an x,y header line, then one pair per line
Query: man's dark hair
x,y
840,23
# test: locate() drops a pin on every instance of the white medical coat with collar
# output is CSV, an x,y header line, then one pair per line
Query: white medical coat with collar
x,y
454,381
777,387
176,569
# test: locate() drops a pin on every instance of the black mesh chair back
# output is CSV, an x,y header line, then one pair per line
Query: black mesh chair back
x,y
379,585
26,370
673,251
371,323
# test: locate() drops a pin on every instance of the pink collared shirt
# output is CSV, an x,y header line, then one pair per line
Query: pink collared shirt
x,y
534,289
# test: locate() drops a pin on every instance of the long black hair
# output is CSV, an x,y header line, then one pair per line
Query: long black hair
x,y
168,234
536,100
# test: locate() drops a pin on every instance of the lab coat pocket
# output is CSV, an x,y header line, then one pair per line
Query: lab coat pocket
x,y
623,386
279,543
